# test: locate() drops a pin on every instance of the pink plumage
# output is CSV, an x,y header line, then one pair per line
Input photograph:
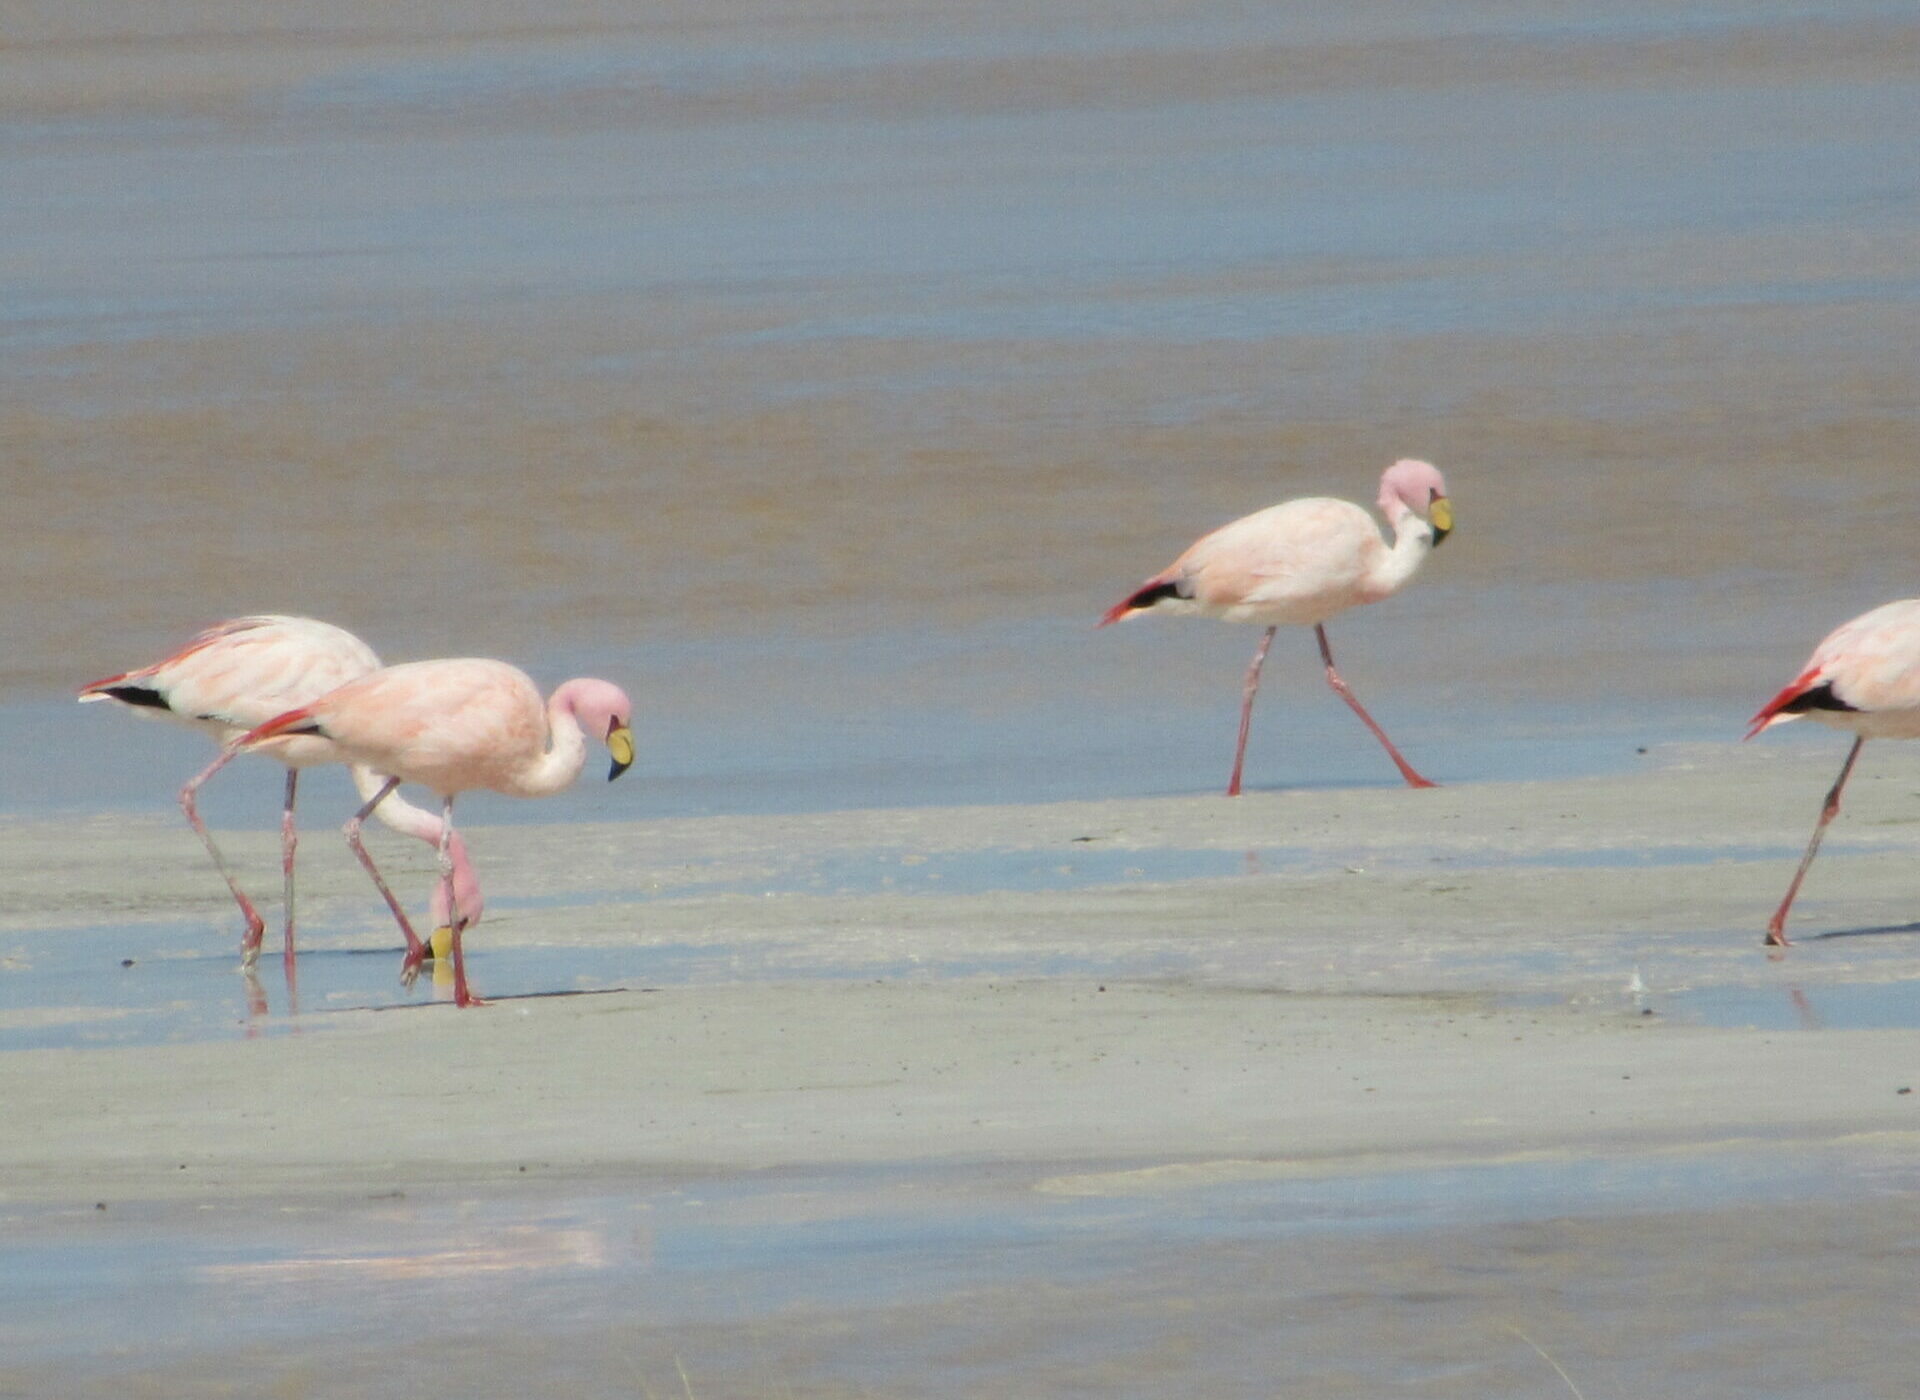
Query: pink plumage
x,y
1864,677
1301,563
238,674
453,726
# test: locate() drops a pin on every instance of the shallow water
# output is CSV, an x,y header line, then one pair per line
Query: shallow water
x,y
945,1281
159,982
158,985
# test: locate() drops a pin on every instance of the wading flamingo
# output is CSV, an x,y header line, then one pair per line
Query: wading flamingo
x,y
1864,678
240,673
1299,563
453,726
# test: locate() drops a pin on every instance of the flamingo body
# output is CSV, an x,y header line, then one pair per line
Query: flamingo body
x,y
453,726
1864,677
237,675
242,673
1295,564
1301,563
457,725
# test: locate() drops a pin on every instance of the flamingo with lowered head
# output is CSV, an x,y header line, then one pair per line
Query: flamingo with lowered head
x,y
1299,563
453,726
240,673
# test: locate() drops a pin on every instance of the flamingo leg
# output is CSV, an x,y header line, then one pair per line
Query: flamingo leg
x,y
1414,780
256,927
289,839
1247,692
256,997
461,995
416,950
1777,926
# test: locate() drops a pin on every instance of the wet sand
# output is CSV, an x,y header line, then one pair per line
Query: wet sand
x,y
1470,1071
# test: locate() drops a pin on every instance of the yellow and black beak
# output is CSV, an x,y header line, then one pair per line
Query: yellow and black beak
x,y
620,745
1440,516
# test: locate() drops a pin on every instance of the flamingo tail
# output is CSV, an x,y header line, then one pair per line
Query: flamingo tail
x,y
300,721
1142,598
1801,694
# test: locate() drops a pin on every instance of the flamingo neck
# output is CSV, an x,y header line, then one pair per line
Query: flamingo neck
x,y
1412,543
566,751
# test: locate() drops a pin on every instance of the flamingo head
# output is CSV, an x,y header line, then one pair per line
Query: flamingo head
x,y
1413,485
603,709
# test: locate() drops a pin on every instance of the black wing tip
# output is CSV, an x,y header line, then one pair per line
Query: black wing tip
x,y
1819,697
140,696
1154,592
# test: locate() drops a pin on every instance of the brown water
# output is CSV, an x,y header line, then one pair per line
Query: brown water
x,y
822,372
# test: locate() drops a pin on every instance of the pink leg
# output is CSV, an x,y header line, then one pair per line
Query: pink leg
x,y
461,995
1246,709
416,951
256,927
288,840
1777,926
1414,780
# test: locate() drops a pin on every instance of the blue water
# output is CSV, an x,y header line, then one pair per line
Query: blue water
x,y
1874,1005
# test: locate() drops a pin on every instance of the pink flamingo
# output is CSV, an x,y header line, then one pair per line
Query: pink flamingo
x,y
1864,678
240,673
1299,563
453,726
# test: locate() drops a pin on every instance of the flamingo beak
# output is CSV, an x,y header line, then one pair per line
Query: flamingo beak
x,y
1440,516
620,745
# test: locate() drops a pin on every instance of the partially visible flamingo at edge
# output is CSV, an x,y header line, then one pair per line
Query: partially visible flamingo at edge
x,y
454,726
1298,564
240,673
1864,677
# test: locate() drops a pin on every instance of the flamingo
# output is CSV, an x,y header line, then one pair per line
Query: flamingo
x,y
240,673
1864,678
453,726
1300,563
